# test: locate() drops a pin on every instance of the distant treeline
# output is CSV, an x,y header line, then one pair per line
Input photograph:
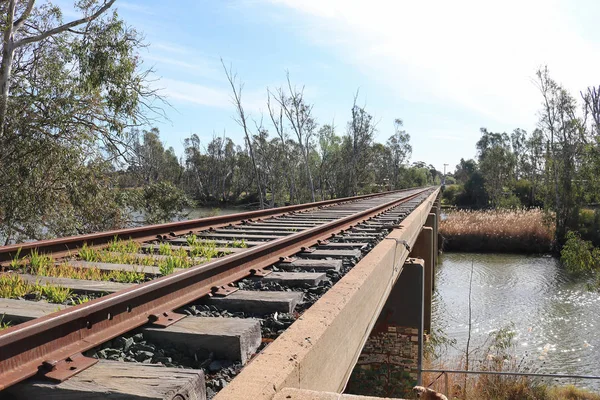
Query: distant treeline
x,y
221,171
556,167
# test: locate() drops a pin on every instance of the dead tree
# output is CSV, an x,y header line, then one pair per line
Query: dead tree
x,y
242,119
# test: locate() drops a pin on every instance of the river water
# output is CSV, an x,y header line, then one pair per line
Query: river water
x,y
554,318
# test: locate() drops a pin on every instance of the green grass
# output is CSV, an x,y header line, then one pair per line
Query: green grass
x,y
12,286
4,324
123,246
239,243
164,249
192,240
38,261
88,254
168,265
16,262
55,294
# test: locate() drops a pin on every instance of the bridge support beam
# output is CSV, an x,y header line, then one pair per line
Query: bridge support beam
x,y
392,357
433,223
424,249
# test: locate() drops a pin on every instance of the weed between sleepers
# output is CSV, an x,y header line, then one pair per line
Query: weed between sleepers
x,y
13,286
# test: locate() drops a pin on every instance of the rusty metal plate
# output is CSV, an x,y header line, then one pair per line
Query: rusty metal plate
x,y
223,291
166,318
61,370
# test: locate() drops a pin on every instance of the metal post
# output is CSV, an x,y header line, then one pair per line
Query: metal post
x,y
447,391
421,325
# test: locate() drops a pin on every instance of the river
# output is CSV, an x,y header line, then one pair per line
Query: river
x,y
556,320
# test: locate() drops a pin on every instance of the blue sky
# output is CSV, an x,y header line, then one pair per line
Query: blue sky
x,y
445,68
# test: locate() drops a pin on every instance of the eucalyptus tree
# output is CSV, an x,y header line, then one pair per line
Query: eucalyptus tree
x,y
150,161
400,148
360,132
276,116
242,119
566,134
69,92
330,161
518,139
496,162
299,116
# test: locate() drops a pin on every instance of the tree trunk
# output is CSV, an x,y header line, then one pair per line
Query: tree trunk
x,y
6,64
309,174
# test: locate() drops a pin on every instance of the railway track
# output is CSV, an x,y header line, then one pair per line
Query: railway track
x,y
260,270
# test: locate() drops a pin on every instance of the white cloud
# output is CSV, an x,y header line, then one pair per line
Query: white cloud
x,y
195,66
192,93
475,55
188,92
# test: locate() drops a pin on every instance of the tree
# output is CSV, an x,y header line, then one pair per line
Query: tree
x,y
496,162
464,170
360,132
277,120
31,28
151,162
400,148
69,92
242,120
518,143
331,161
565,134
299,115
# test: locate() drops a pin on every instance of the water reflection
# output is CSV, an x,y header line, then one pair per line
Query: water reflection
x,y
555,318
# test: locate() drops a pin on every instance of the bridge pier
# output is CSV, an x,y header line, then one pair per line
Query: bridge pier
x,y
424,249
390,361
392,356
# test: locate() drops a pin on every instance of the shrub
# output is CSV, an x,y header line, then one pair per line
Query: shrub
x,y
589,225
579,256
510,202
450,193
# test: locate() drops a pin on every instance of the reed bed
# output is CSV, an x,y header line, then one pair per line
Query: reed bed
x,y
503,231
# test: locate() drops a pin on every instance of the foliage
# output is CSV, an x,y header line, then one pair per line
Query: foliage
x,y
474,194
159,202
580,257
67,98
589,225
450,193
510,202
122,246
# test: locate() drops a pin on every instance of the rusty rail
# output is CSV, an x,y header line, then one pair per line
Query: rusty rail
x,y
64,246
52,345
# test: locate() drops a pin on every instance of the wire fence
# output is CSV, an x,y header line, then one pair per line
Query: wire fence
x,y
446,372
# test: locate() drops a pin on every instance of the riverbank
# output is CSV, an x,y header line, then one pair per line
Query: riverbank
x,y
501,231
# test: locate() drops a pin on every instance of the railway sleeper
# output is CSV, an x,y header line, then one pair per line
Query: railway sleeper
x,y
118,380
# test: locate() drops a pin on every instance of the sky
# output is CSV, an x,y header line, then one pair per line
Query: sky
x,y
446,68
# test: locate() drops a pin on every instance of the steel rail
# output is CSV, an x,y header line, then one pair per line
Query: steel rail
x,y
66,245
39,345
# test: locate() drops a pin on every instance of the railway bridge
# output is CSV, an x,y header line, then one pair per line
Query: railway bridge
x,y
314,301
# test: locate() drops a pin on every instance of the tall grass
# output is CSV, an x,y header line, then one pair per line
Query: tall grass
x,y
508,231
497,354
